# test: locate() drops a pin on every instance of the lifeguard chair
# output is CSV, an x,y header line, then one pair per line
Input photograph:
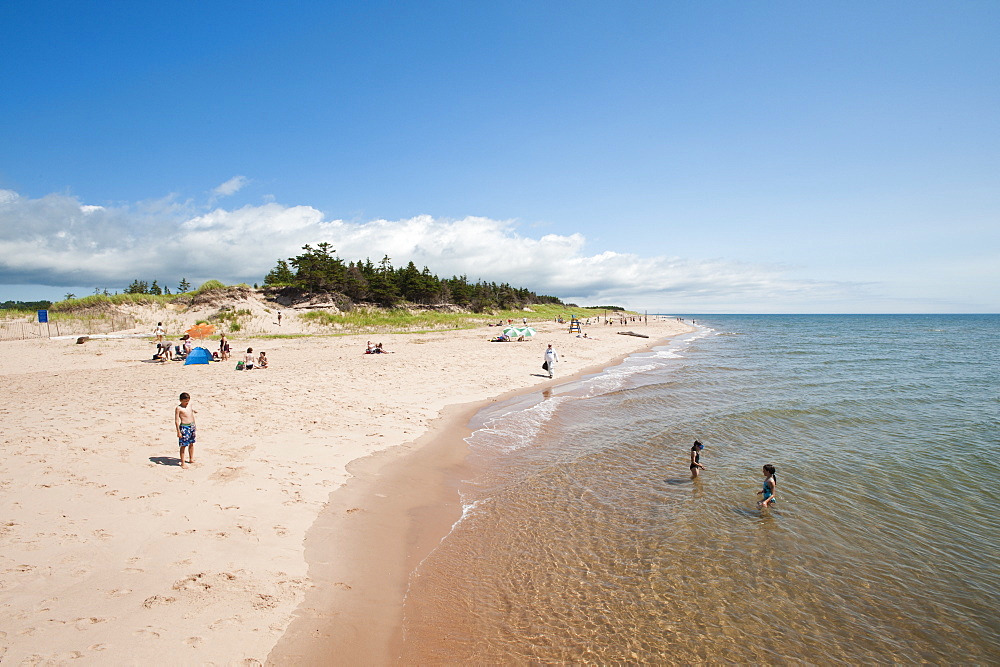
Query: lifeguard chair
x,y
574,325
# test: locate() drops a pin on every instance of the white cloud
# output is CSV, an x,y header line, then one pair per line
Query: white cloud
x,y
230,187
56,240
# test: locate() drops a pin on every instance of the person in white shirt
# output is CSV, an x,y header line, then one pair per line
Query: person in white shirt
x,y
551,357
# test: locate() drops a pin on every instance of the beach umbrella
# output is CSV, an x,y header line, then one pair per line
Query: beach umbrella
x,y
527,331
513,332
201,330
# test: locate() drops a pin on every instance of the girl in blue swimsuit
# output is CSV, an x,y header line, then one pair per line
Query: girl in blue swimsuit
x,y
770,486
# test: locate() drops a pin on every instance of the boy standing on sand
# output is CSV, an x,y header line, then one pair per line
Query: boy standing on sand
x,y
184,423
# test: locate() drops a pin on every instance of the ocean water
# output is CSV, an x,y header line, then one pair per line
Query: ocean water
x,y
585,540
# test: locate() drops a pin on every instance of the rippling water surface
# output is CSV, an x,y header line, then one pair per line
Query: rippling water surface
x,y
585,540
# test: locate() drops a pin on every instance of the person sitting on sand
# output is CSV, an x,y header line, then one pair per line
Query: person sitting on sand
x,y
188,345
262,360
370,348
380,350
770,486
248,359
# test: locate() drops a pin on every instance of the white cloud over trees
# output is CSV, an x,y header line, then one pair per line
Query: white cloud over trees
x,y
58,240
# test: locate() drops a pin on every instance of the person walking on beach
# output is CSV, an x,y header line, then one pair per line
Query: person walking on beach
x,y
770,486
696,458
184,424
279,318
159,332
551,357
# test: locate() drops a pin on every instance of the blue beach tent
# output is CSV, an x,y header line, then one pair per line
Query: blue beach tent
x,y
198,355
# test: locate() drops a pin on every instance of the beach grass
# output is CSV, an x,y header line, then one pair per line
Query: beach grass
x,y
405,320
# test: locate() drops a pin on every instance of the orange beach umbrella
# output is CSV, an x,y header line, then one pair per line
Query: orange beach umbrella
x,y
201,330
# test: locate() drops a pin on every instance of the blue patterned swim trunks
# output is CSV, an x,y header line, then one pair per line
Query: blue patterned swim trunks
x,y
187,435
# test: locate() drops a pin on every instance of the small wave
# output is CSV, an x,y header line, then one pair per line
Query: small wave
x,y
517,429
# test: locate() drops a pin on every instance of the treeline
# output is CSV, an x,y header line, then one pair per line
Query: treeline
x,y
25,305
142,287
319,270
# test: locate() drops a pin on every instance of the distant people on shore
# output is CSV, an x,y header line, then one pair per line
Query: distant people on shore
x,y
696,464
770,486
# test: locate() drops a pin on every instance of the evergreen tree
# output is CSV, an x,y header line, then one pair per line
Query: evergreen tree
x,y
184,286
382,286
280,275
356,284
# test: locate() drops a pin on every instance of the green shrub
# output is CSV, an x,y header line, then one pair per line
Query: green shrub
x,y
209,285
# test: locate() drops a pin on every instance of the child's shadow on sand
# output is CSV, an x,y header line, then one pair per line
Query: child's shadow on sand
x,y
165,460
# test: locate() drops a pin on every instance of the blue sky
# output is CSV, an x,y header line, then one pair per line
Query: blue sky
x,y
669,156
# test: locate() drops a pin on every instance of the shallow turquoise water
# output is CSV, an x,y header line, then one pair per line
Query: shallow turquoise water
x,y
585,540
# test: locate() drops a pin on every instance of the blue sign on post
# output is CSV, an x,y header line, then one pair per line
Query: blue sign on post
x,y
43,316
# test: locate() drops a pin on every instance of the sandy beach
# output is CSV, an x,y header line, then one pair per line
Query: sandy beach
x,y
114,554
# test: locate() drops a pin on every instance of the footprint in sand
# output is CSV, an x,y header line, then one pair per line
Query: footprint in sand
x,y
194,642
154,600
262,601
97,647
85,623
119,592
232,621
226,474
280,531
149,632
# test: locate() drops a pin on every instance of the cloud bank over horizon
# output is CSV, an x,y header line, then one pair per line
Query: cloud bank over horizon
x,y
57,240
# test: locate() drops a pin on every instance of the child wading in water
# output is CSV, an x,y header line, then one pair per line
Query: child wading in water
x,y
770,486
184,423
696,464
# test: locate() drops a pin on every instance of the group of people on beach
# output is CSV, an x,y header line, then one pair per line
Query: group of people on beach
x,y
165,351
770,477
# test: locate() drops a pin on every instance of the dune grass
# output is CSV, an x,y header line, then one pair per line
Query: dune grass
x,y
399,319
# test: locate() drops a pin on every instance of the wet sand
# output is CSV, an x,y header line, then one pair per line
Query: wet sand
x,y
377,528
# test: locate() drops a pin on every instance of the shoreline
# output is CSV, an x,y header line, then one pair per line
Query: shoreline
x,y
396,509
112,553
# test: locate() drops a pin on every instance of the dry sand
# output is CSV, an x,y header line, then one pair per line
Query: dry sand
x,y
112,554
